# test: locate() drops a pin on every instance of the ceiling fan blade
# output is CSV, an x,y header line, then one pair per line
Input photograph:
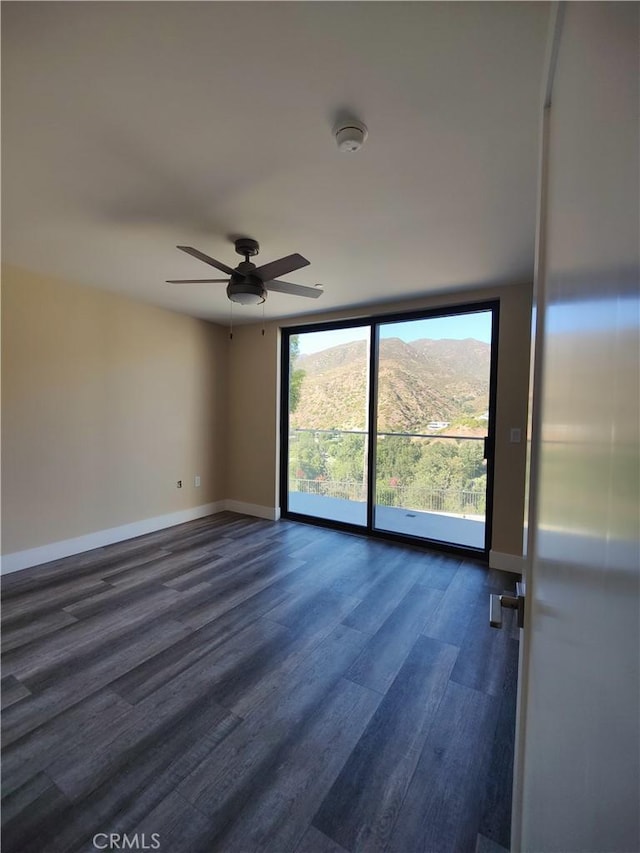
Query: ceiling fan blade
x,y
206,259
281,267
294,289
198,281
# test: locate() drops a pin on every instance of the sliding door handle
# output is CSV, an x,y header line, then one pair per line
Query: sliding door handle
x,y
512,602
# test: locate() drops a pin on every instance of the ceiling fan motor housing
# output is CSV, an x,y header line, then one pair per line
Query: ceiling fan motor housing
x,y
246,290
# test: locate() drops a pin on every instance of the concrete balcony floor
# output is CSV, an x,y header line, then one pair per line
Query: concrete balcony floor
x,y
443,527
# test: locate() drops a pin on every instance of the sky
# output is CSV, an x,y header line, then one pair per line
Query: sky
x,y
476,326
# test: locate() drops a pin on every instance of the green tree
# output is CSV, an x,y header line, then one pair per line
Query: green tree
x,y
296,374
345,458
472,458
440,466
396,460
307,457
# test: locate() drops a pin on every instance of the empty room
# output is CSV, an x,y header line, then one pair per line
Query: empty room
x,y
320,451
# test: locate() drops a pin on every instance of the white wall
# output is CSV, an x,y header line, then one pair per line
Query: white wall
x,y
579,783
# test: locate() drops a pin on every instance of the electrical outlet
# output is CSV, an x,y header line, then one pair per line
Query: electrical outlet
x,y
515,435
179,484
196,481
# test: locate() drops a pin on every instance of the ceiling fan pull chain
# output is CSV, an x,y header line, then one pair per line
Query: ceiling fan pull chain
x,y
263,318
231,321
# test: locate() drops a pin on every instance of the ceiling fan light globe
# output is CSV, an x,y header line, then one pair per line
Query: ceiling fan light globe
x,y
246,293
246,298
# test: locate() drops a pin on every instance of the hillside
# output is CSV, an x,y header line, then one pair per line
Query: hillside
x,y
419,382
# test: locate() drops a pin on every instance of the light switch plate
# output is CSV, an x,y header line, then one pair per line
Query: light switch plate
x,y
515,435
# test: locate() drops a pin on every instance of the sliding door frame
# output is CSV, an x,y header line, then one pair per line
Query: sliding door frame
x,y
374,322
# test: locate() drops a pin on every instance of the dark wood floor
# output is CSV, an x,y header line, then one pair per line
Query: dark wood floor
x,y
241,685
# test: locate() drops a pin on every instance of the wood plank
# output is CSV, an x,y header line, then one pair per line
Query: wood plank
x,y
78,683
42,801
359,572
229,571
285,797
65,732
31,629
202,688
12,691
86,567
22,797
78,639
128,595
224,780
485,651
384,654
161,569
449,621
304,637
311,607
386,594
32,604
495,822
485,845
441,809
362,806
142,779
151,721
160,668
314,841
440,569
175,825
261,577
312,547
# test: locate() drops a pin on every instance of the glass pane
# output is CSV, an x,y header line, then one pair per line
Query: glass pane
x,y
433,415
328,440
432,488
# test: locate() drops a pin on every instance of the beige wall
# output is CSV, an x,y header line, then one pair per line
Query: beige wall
x,y
253,406
253,415
106,403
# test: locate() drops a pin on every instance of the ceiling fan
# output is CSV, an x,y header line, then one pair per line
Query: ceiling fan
x,y
249,284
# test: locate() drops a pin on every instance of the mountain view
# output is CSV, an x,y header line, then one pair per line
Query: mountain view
x,y
437,387
420,383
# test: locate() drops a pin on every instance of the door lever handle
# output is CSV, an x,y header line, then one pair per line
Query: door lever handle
x,y
512,602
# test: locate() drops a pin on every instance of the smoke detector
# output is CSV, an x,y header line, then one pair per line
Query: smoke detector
x,y
350,136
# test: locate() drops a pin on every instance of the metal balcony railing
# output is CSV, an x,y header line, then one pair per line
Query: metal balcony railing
x,y
413,495
408,497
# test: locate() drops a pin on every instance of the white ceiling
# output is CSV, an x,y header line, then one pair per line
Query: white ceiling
x,y
131,127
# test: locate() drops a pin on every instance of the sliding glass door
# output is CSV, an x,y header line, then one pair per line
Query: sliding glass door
x,y
388,425
327,424
432,427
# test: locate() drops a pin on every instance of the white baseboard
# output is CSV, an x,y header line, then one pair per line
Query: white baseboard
x,y
66,548
269,512
507,562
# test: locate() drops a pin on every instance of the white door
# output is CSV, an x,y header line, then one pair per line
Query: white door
x,y
578,755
